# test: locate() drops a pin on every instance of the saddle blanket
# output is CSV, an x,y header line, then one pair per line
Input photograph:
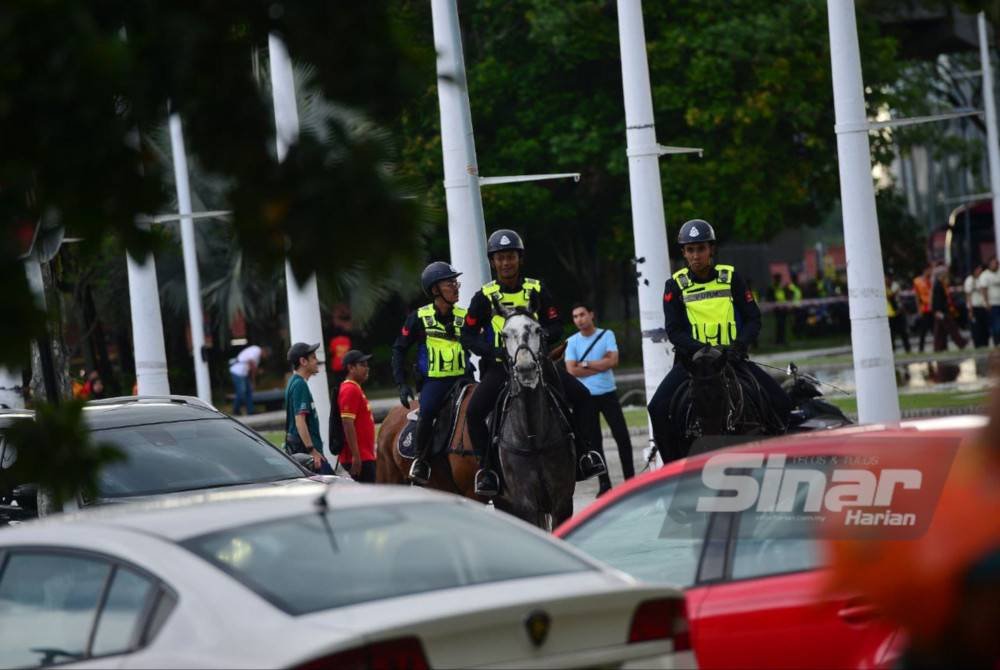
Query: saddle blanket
x,y
406,443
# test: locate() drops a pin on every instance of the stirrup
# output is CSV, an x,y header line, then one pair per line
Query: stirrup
x,y
420,472
592,465
487,483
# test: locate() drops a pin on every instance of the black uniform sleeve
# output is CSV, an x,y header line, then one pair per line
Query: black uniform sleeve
x,y
411,332
675,320
476,319
747,309
548,316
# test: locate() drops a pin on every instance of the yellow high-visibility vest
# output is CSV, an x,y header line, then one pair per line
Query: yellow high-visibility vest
x,y
520,298
709,306
445,355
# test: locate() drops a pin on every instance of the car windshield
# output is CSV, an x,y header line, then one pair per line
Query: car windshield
x,y
325,560
189,455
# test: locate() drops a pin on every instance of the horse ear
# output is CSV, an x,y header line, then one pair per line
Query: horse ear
x,y
499,308
533,302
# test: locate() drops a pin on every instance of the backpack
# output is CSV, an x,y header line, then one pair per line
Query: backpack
x,y
336,439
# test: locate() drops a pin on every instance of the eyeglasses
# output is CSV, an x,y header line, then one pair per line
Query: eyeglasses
x,y
454,283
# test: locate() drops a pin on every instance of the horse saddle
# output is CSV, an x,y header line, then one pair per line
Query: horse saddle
x,y
445,427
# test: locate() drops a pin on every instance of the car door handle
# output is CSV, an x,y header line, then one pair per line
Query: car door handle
x,y
857,611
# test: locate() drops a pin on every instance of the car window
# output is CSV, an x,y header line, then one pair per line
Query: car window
x,y
324,560
47,607
188,455
773,543
652,534
122,612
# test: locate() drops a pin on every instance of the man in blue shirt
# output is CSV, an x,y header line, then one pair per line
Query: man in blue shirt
x,y
591,354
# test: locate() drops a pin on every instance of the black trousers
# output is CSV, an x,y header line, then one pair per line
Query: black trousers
x,y
491,383
780,315
980,326
898,329
367,474
924,325
659,406
607,404
432,397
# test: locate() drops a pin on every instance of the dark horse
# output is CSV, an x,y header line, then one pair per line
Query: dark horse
x,y
721,404
532,429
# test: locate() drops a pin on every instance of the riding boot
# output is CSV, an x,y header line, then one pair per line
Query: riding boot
x,y
487,483
420,470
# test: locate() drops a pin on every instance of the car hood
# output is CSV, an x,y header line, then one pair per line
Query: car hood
x,y
298,483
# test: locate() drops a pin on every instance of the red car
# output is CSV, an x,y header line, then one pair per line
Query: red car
x,y
756,583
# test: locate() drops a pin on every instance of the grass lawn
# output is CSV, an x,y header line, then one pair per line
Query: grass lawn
x,y
911,401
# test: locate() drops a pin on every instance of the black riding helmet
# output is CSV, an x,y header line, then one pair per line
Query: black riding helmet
x,y
695,230
435,272
502,240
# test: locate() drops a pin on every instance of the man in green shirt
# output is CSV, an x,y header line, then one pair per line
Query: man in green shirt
x,y
300,410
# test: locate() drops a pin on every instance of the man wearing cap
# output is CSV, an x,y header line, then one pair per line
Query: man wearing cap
x,y
441,361
356,413
707,305
301,421
482,332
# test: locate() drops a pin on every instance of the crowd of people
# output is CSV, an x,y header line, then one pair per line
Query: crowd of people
x,y
941,308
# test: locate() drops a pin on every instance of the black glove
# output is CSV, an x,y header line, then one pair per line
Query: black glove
x,y
405,395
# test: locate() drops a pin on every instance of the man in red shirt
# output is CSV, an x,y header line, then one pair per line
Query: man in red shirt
x,y
358,455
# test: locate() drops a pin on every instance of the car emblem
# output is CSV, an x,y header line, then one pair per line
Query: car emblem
x,y
537,626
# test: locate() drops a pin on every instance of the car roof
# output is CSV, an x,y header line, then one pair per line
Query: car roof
x,y
134,410
141,410
182,517
953,428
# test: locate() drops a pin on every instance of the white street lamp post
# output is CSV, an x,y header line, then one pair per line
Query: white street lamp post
x,y
192,280
992,142
648,221
874,363
304,321
147,327
466,224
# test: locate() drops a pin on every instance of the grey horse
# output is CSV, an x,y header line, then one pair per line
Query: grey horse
x,y
535,437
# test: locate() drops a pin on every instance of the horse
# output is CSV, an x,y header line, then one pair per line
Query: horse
x,y
532,432
721,404
452,470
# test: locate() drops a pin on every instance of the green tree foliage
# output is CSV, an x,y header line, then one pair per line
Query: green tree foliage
x,y
77,80
748,80
81,85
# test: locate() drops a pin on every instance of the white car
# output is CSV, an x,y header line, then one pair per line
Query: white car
x,y
351,577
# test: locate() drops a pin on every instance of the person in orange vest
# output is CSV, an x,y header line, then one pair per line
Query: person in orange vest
x,y
925,317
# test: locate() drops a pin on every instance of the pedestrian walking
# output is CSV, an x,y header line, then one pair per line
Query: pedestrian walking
x,y
302,434
897,316
990,280
979,312
925,317
358,454
591,356
243,370
944,312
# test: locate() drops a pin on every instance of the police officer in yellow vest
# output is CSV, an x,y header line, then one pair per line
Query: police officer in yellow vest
x,y
707,304
441,360
505,250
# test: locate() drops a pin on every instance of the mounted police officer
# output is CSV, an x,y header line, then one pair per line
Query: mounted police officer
x,y
483,328
707,304
441,361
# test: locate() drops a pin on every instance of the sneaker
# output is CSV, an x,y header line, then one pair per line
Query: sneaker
x,y
487,483
420,472
592,465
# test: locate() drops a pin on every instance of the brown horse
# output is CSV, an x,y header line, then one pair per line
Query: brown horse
x,y
453,471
